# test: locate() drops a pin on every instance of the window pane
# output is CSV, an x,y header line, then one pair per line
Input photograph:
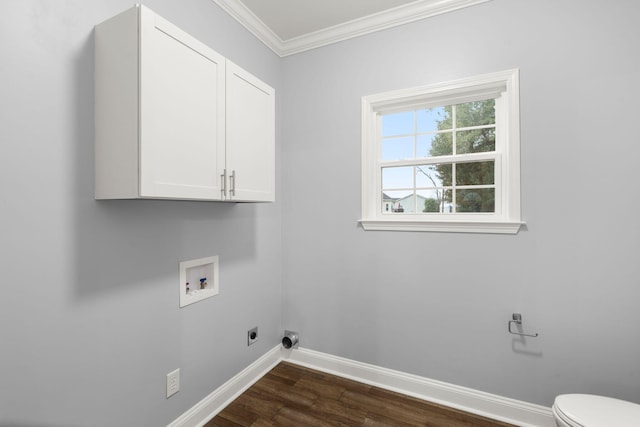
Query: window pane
x,y
435,201
423,145
396,195
397,177
397,124
441,144
392,201
433,119
476,113
476,200
476,173
397,148
431,176
434,145
476,141
410,204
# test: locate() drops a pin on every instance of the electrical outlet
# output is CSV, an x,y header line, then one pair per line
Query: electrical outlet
x,y
252,336
173,382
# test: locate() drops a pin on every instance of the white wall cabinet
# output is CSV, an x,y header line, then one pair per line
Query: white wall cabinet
x,y
250,136
176,120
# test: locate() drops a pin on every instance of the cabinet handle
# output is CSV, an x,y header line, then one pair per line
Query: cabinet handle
x,y
223,186
232,182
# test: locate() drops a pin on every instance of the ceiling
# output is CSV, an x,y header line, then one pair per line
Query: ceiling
x,y
293,26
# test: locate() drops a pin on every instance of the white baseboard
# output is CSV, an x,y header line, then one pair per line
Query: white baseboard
x,y
209,407
477,402
466,399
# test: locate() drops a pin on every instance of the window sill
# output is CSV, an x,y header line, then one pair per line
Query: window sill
x,y
442,226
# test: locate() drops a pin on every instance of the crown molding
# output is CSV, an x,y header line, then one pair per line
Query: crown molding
x,y
251,22
376,22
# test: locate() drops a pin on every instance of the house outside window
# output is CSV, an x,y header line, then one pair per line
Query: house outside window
x,y
444,157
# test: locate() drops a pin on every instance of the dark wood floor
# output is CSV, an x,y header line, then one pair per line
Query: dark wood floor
x,y
291,395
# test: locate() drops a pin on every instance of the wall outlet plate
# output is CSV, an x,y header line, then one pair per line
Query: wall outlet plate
x,y
173,382
252,336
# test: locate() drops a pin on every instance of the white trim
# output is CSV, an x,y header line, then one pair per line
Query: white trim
x,y
251,22
443,226
466,399
376,22
211,405
507,217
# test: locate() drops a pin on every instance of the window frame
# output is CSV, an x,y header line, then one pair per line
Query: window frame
x,y
503,86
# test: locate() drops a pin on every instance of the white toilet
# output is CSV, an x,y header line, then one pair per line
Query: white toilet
x,y
588,410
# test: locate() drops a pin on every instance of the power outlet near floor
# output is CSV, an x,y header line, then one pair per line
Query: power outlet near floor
x,y
173,382
252,336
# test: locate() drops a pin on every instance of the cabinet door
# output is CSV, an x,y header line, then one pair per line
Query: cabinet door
x,y
182,113
250,147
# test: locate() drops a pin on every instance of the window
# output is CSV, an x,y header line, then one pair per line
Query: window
x,y
444,157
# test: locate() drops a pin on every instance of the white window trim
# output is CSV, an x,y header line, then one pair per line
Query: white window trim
x,y
502,85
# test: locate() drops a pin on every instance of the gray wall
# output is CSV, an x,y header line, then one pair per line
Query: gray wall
x,y
437,305
89,317
89,323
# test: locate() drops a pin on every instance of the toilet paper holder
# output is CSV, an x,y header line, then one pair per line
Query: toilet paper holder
x,y
517,319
